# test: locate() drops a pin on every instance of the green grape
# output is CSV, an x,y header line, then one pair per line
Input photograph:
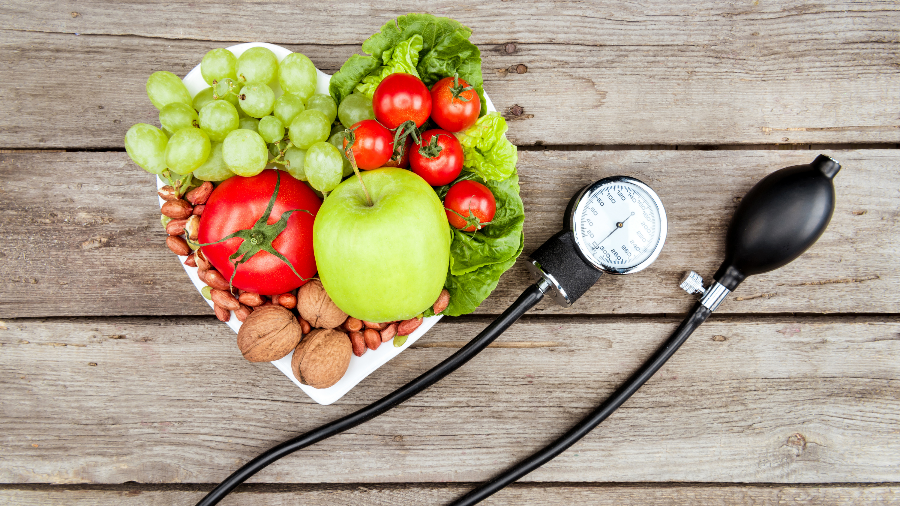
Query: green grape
x,y
214,168
187,149
146,145
257,100
176,116
218,64
295,161
323,166
271,129
337,140
287,107
218,118
205,96
324,103
249,123
354,109
257,65
297,75
163,88
245,152
308,128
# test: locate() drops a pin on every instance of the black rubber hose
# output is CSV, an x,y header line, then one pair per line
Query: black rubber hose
x,y
687,327
531,296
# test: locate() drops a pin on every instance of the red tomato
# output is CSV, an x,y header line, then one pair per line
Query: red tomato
x,y
469,199
373,144
455,108
399,98
237,204
439,159
403,162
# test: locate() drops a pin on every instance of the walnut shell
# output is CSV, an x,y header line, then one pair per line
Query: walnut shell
x,y
316,307
269,333
322,358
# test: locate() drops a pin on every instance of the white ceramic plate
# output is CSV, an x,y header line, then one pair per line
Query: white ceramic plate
x,y
360,367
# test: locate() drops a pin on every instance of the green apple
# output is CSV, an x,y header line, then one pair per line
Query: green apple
x,y
387,261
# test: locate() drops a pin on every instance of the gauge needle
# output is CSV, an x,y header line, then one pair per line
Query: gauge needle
x,y
618,226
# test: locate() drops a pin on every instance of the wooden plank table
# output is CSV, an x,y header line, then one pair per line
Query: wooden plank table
x,y
120,387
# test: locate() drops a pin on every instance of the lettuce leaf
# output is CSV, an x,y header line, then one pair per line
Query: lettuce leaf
x,y
431,28
401,58
487,151
445,50
468,291
352,72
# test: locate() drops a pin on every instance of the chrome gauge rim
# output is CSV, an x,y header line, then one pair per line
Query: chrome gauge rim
x,y
583,199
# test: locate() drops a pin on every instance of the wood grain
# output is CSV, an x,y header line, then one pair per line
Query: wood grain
x,y
646,73
81,235
522,495
170,400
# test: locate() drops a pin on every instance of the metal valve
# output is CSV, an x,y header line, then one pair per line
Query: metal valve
x,y
692,283
710,297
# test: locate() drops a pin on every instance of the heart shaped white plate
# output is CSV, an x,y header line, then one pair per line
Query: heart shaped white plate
x,y
360,367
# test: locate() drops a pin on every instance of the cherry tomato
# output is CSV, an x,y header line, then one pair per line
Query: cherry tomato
x,y
399,98
439,159
470,199
237,204
373,144
403,162
455,104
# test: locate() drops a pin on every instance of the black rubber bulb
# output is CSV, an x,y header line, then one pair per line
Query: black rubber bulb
x,y
778,219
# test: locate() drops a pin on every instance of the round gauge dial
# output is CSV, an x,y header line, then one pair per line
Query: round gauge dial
x,y
619,225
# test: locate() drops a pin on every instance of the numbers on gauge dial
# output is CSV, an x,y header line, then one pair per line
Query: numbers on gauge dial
x,y
619,225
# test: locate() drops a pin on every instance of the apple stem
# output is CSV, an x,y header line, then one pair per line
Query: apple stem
x,y
349,152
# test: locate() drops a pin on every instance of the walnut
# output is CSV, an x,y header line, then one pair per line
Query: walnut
x,y
316,307
322,358
269,333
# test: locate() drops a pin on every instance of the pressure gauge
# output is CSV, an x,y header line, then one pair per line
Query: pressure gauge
x,y
619,224
616,225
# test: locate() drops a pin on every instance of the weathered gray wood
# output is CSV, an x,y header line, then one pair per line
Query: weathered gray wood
x,y
80,235
605,73
526,495
789,400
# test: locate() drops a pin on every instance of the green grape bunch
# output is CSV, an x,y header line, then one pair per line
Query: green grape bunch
x,y
242,123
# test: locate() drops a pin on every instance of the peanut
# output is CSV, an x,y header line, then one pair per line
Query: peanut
x,y
178,245
221,313
305,327
359,343
389,333
190,262
202,262
215,279
372,338
167,193
175,227
224,299
192,227
243,313
407,327
375,326
198,210
287,300
352,324
442,302
177,209
251,299
200,194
